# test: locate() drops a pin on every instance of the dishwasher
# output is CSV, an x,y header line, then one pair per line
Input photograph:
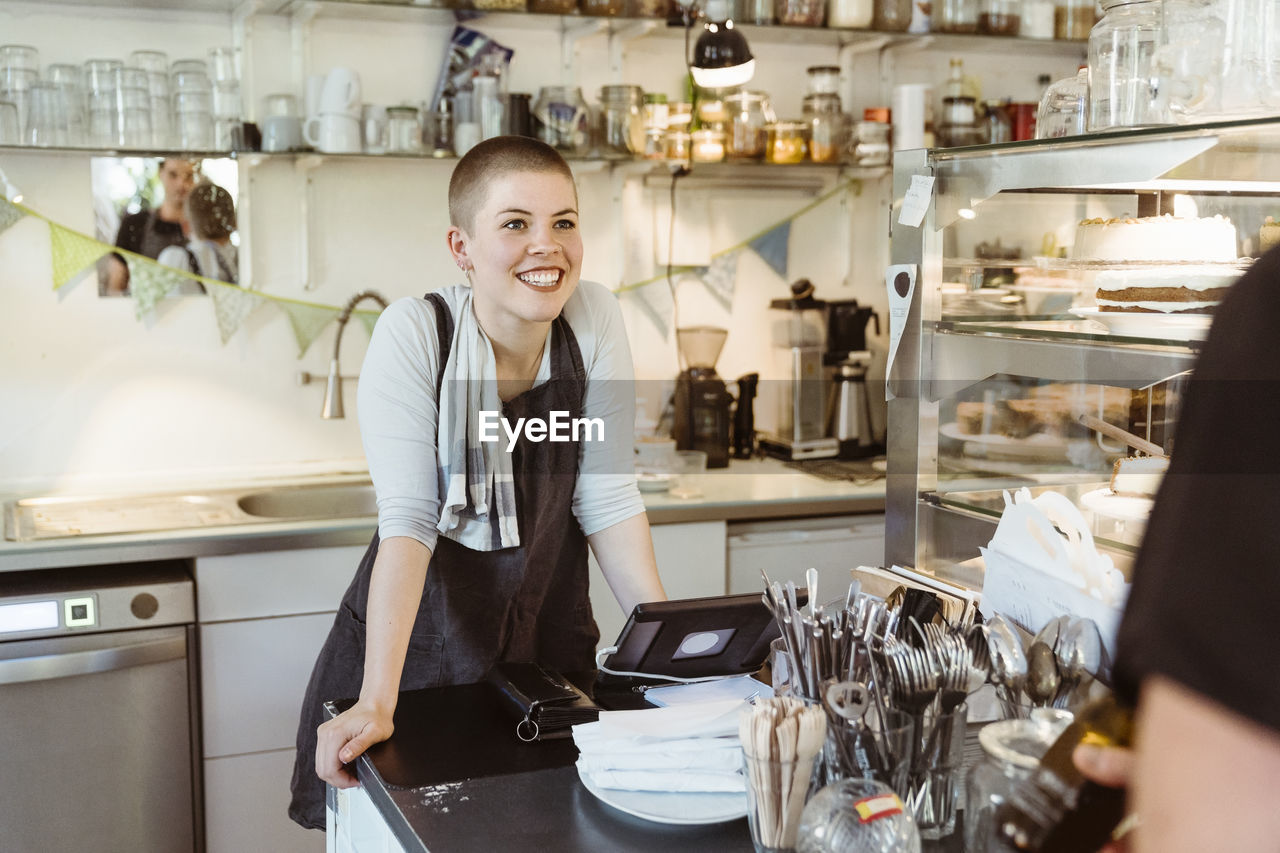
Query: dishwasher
x,y
98,703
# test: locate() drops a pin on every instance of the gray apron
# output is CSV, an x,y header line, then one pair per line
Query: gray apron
x,y
478,607
153,242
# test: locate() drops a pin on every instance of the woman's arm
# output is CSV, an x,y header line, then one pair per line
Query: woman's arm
x,y
625,554
395,588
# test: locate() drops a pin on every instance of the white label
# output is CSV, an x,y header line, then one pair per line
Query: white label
x,y
900,281
29,616
915,204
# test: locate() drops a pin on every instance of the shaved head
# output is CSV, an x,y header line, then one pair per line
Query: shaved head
x,y
493,158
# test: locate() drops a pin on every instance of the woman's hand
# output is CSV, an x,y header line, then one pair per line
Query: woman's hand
x,y
343,739
1107,765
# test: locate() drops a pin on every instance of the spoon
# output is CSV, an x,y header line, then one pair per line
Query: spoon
x,y
1008,661
1051,632
1079,657
1043,678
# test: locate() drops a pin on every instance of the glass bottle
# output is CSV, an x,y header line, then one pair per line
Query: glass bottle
x,y
1057,809
828,128
955,16
999,127
1000,17
892,16
1073,19
442,128
749,116
1011,749
1122,47
622,120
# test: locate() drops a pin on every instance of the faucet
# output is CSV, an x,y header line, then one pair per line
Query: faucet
x,y
333,387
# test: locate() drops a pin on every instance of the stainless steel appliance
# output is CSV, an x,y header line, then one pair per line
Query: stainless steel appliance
x,y
97,695
850,407
799,337
701,399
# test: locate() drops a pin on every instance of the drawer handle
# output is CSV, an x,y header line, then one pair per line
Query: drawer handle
x,y
66,665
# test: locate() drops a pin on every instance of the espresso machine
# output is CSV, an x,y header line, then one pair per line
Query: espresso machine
x,y
702,400
848,357
799,335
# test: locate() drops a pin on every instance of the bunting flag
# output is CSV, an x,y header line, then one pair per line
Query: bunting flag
x,y
656,304
721,277
72,252
308,321
369,319
149,283
9,213
231,306
773,247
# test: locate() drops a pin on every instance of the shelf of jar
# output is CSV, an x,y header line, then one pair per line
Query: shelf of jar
x,y
86,151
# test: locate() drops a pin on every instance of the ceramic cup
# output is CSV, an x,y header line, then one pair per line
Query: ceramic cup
x,y
341,93
281,133
333,133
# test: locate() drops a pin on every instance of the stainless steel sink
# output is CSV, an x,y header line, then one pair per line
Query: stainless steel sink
x,y
352,500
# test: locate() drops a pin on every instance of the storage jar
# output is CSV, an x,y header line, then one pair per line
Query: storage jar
x,y
603,8
822,80
1073,19
1011,750
648,8
955,16
852,14
621,120
871,143
786,142
828,128
553,7
892,16
708,146
561,118
678,145
801,13
1000,17
749,116
1122,47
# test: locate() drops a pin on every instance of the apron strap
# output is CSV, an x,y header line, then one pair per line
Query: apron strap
x,y
444,331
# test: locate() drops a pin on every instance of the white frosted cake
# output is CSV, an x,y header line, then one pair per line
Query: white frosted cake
x,y
1167,290
1138,476
1156,238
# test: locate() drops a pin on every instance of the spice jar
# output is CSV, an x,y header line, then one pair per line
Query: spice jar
x,y
828,128
678,144
656,111
404,130
708,146
871,143
1000,17
1073,19
854,14
621,120
1122,48
749,116
822,80
786,142
955,16
801,13
892,16
655,143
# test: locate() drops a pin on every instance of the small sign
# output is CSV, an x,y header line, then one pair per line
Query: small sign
x,y
915,204
900,282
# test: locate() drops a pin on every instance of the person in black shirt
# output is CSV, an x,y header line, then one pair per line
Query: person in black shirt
x,y
1199,642
149,232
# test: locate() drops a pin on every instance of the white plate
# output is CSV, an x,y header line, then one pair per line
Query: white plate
x,y
648,482
1173,327
1037,446
1108,505
683,809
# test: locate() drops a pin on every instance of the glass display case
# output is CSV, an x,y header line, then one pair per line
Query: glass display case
x,y
1010,365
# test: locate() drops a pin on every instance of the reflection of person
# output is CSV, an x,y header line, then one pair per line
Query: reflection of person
x,y
211,213
1198,643
481,552
149,232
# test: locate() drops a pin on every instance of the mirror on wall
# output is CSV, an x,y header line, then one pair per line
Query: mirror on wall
x,y
179,211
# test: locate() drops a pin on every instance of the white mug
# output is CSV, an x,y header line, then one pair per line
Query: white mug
x,y
281,133
315,85
333,134
341,93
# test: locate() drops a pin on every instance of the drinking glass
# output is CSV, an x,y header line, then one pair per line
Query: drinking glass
x,y
772,816
10,128
193,120
15,87
22,56
151,61
46,119
281,104
222,65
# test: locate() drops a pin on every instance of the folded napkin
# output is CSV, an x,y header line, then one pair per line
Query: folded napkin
x,y
685,748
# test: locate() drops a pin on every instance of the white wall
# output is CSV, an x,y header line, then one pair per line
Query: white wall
x,y
92,397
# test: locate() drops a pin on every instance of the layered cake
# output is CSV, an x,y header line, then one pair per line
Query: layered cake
x,y
1047,409
1159,289
1138,476
1156,238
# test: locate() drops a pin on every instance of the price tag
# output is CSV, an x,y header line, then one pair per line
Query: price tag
x,y
915,204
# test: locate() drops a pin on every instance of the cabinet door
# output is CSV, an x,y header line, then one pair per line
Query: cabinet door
x,y
274,583
786,549
691,563
253,675
246,802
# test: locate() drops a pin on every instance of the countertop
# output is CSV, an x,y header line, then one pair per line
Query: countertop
x,y
750,489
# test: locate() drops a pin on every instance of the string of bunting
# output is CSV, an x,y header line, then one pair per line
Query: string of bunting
x,y
150,282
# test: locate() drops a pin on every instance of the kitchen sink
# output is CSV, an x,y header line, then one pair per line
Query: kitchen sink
x,y
351,500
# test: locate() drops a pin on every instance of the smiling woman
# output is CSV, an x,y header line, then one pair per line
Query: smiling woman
x,y
144,206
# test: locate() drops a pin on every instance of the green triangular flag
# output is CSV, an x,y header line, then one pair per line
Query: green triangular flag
x,y
9,213
149,282
308,321
231,305
72,252
369,319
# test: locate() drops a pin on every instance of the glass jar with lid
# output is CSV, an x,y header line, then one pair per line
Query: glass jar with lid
x,y
852,14
1073,19
404,130
749,116
502,5
552,7
1000,17
893,16
707,145
561,118
621,120
656,111
828,128
871,140
1122,47
603,8
648,8
1011,750
678,145
786,142
801,13
955,16
822,80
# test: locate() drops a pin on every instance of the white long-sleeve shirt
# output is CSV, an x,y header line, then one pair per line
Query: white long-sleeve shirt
x,y
398,413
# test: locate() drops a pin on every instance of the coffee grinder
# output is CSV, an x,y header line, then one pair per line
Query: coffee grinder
x,y
799,333
701,398
847,355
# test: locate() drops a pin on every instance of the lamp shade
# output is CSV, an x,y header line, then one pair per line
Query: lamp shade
x,y
721,57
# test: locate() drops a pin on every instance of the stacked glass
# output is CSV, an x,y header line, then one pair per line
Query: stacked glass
x,y
19,71
99,85
67,80
227,112
155,65
193,128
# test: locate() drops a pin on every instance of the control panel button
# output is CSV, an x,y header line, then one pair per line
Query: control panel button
x,y
79,612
